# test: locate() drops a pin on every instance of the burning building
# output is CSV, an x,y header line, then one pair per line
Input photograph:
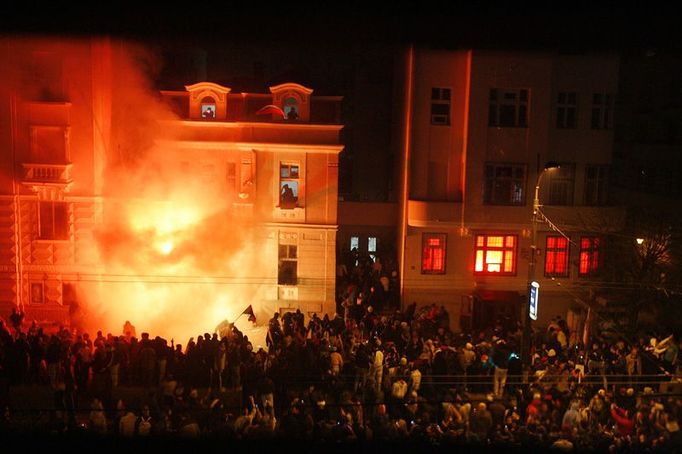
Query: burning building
x,y
173,209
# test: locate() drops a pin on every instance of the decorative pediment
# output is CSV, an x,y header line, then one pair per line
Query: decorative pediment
x,y
207,100
293,99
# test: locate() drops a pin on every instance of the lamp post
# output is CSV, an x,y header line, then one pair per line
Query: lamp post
x,y
525,347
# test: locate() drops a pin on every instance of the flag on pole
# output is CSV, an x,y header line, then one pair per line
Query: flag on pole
x,y
271,109
249,311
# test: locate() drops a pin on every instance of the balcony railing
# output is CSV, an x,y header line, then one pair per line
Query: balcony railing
x,y
53,174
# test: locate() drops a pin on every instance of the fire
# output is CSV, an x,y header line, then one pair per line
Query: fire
x,y
174,260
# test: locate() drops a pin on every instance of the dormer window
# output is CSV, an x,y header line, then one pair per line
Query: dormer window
x,y
293,99
291,108
207,101
208,108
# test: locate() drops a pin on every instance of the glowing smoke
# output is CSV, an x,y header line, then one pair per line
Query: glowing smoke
x,y
176,260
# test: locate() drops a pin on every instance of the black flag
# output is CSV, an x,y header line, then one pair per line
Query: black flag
x,y
249,312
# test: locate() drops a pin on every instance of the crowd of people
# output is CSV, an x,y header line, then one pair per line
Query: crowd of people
x,y
389,377
361,376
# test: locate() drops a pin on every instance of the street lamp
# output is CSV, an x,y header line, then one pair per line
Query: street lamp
x,y
532,289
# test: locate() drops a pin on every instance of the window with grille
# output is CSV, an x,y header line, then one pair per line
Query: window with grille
x,y
504,184
556,256
433,253
440,106
508,108
495,255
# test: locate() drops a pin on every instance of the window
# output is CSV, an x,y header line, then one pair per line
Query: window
x,y
504,184
287,272
53,221
556,256
48,145
440,106
508,108
44,77
355,243
566,108
372,247
208,108
596,184
561,185
495,255
433,253
589,255
37,292
602,111
288,185
291,109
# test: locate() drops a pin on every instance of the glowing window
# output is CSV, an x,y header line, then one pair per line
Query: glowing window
x,y
291,109
288,185
354,243
433,253
556,256
372,247
589,255
208,108
495,255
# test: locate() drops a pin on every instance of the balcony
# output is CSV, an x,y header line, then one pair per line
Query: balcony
x,y
47,175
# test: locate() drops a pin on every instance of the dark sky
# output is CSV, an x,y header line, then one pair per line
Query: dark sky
x,y
437,23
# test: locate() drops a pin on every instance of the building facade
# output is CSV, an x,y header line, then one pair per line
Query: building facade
x,y
478,130
273,155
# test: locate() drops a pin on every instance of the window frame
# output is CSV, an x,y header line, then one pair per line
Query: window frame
x,y
287,258
594,263
282,180
53,234
556,251
564,175
498,101
505,249
563,107
602,111
441,96
489,183
427,248
600,183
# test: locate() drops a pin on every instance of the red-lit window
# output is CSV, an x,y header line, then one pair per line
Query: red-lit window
x,y
589,255
556,256
496,255
433,253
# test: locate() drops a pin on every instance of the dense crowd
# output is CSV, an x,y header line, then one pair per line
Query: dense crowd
x,y
360,376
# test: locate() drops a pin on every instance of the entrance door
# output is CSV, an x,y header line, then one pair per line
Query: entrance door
x,y
494,306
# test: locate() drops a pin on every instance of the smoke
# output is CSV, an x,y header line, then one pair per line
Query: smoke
x,y
177,259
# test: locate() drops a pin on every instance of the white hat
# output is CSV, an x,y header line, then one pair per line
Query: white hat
x,y
551,353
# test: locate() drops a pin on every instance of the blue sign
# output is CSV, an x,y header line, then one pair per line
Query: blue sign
x,y
533,300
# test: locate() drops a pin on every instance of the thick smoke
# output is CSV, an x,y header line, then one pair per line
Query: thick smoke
x,y
177,261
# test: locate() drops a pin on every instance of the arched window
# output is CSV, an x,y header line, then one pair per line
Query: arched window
x,y
291,108
208,108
